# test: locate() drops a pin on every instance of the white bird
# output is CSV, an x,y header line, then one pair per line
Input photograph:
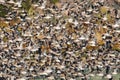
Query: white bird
x,y
11,2
49,37
58,16
43,73
27,34
18,39
105,18
2,43
18,3
21,79
2,1
115,25
2,35
57,27
31,68
34,49
58,71
92,43
105,27
51,78
42,7
76,22
23,72
72,79
70,20
35,5
118,31
61,67
91,74
11,40
20,47
28,18
18,54
82,38
109,76
100,74
115,71
37,27
77,40
48,71
48,17
90,9
92,57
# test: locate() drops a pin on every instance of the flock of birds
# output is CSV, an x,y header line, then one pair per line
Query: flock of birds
x,y
66,40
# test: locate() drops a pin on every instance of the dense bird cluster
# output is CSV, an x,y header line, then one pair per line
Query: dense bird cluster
x,y
59,39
